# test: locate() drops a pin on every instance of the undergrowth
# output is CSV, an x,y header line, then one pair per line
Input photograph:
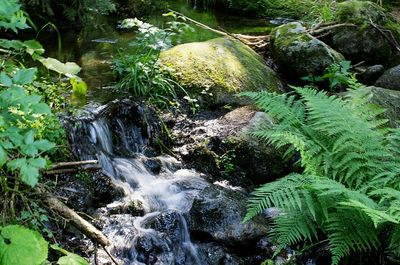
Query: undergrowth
x,y
348,192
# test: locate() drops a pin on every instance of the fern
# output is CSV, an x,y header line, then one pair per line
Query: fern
x,y
349,189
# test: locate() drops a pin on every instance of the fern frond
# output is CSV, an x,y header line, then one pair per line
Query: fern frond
x,y
283,193
350,231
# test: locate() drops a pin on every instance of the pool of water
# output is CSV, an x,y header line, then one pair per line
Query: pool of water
x,y
95,46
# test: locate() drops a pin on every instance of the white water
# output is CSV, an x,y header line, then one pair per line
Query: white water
x,y
171,191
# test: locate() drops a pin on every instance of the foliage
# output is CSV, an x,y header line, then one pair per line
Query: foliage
x,y
338,76
21,246
349,189
78,11
139,69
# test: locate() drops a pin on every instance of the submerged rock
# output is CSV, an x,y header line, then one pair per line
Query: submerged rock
x,y
365,42
218,212
215,70
298,53
390,79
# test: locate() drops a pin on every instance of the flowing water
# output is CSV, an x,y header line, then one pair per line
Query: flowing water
x,y
161,235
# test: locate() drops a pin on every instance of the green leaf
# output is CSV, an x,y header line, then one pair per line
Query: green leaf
x,y
41,108
44,145
16,163
5,79
33,46
78,87
24,76
69,69
3,156
72,259
29,137
21,246
39,162
29,175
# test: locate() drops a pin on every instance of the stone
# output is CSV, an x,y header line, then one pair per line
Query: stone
x,y
299,54
390,79
364,42
370,74
218,212
215,71
390,101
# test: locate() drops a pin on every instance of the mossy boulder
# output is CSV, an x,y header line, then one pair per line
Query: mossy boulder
x,y
371,39
298,53
215,71
390,79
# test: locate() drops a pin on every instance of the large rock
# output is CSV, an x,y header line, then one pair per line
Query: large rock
x,y
298,53
390,101
366,42
215,70
390,79
222,147
218,212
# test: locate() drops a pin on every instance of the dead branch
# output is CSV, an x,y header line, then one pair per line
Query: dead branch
x,y
324,28
70,170
73,164
391,39
84,226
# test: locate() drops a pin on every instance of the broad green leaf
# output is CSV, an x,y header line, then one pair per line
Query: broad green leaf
x,y
21,246
3,156
12,44
39,162
69,69
72,259
29,175
24,76
41,108
29,137
16,163
5,79
44,145
33,46
29,150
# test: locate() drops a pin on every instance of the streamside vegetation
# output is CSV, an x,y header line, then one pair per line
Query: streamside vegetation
x,y
347,195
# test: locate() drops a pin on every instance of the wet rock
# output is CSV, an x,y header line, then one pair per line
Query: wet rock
x,y
215,70
365,42
125,127
88,190
225,151
134,208
298,53
370,74
213,253
390,79
218,213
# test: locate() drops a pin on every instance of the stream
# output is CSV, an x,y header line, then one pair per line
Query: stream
x,y
161,234
119,134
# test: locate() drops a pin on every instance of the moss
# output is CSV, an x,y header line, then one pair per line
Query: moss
x,y
221,66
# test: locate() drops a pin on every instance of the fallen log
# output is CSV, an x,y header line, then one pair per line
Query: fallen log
x,y
81,224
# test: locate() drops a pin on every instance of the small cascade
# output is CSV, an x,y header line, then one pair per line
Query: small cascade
x,y
119,140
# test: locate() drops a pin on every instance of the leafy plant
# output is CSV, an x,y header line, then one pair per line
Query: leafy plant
x,y
338,75
21,246
139,69
349,190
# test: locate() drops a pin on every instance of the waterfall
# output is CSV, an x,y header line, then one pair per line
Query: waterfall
x,y
161,236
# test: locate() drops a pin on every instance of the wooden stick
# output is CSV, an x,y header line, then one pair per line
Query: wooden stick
x,y
84,226
70,170
329,27
74,163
